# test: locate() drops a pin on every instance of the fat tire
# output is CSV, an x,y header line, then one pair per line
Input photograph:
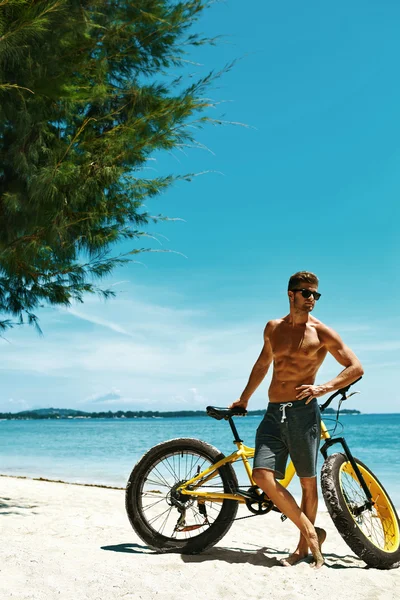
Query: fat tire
x,y
343,519
215,531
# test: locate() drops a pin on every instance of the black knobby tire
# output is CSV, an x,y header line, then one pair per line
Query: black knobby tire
x,y
373,535
150,508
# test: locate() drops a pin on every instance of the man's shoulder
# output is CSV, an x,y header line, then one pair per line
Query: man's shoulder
x,y
273,324
314,322
324,331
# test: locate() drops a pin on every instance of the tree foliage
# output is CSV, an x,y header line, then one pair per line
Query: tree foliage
x,y
86,97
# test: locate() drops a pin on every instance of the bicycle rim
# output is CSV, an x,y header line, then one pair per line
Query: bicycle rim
x,y
169,513
379,525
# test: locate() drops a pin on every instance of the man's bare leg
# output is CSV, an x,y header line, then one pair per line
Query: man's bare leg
x,y
265,479
309,505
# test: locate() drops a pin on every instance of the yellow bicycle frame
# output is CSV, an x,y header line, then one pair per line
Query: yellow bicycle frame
x,y
243,452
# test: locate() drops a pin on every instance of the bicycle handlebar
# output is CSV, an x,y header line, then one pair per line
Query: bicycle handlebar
x,y
224,413
341,391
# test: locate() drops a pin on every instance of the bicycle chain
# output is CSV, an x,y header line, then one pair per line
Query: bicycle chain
x,y
246,517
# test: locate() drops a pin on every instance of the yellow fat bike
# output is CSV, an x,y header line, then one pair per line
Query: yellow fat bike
x,y
183,495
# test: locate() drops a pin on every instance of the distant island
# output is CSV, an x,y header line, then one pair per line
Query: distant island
x,y
69,413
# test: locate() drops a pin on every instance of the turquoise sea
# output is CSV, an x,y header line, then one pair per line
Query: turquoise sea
x,y
104,451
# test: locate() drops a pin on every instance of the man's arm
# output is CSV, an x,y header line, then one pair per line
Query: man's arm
x,y
346,357
258,372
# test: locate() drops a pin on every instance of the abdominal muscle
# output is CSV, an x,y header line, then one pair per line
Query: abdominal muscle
x,y
283,391
290,374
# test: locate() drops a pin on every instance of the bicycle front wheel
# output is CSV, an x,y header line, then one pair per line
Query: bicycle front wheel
x,y
373,534
171,522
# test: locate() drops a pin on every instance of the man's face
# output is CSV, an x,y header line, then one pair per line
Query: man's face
x,y
299,302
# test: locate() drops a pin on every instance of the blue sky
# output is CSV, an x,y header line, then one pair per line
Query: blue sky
x,y
312,182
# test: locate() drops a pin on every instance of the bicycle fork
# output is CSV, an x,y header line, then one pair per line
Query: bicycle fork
x,y
324,450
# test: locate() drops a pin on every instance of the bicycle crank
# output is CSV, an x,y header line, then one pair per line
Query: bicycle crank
x,y
257,502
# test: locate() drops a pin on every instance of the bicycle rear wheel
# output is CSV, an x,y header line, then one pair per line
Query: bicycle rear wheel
x,y
374,535
168,521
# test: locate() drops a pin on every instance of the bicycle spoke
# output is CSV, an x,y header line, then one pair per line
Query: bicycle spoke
x,y
162,478
154,519
159,483
161,530
211,506
189,471
171,469
148,506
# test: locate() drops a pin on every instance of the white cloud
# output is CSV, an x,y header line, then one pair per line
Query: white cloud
x,y
342,327
103,397
378,346
98,321
15,405
196,397
123,403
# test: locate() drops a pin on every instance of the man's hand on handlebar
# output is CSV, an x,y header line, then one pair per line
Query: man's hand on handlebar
x,y
239,404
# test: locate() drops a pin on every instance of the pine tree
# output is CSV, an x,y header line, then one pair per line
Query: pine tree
x,y
86,97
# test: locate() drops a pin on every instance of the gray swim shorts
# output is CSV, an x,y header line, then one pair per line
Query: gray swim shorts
x,y
289,429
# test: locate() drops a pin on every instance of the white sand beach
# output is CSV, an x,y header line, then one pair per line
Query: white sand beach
x,y
64,541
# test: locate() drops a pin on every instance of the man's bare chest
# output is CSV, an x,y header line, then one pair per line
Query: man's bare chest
x,y
299,342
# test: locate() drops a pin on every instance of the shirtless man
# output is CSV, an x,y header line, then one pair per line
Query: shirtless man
x,y
297,345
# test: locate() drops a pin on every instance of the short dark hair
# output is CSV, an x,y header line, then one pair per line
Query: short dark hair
x,y
302,277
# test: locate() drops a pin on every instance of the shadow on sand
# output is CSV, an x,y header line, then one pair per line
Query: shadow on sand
x,y
10,506
269,557
261,557
129,548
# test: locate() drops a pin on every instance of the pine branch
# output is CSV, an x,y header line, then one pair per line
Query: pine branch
x,y
89,93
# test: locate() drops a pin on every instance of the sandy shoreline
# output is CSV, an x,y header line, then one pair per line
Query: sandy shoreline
x,y
73,541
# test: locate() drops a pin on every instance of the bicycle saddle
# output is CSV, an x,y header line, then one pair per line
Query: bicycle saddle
x,y
225,413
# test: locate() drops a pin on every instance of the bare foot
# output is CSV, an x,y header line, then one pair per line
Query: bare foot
x,y
316,552
297,556
302,553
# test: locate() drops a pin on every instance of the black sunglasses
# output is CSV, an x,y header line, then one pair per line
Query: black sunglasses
x,y
308,293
